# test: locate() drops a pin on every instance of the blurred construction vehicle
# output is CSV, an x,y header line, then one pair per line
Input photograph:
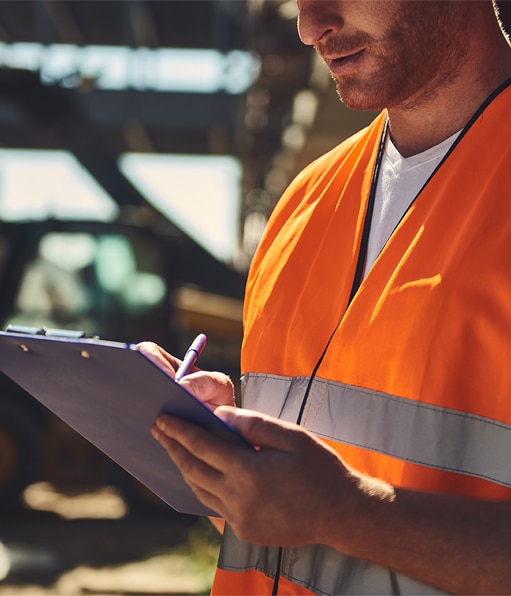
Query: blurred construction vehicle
x,y
123,281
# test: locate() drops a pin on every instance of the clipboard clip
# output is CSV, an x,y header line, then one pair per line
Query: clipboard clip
x,y
46,331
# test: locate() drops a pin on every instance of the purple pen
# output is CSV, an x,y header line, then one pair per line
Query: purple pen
x,y
191,356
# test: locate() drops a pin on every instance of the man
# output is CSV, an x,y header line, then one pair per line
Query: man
x,y
377,329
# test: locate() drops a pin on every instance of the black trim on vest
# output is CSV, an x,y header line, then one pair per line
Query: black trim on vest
x,y
360,262
364,243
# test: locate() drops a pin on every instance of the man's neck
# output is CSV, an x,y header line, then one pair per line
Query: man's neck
x,y
428,120
417,131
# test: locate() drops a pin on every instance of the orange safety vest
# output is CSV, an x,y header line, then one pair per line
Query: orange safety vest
x,y
415,385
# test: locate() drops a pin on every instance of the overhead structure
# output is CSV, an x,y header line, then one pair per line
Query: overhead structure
x,y
273,106
138,113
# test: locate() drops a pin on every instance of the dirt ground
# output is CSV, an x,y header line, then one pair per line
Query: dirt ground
x,y
86,544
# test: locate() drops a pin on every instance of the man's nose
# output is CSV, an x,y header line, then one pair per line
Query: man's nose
x,y
317,18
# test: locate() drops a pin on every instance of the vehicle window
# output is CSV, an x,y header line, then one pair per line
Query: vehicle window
x,y
108,285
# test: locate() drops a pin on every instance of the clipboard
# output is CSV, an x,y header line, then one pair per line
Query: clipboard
x,y
111,393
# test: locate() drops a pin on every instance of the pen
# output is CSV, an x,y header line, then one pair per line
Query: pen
x,y
191,356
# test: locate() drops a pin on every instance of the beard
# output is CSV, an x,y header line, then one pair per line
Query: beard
x,y
418,55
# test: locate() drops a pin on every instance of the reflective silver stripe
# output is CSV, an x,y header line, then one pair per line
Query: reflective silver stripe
x,y
415,432
320,569
380,422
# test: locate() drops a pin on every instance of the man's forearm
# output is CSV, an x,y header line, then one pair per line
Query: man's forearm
x,y
456,544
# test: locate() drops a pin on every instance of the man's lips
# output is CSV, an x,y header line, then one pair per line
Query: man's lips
x,y
344,64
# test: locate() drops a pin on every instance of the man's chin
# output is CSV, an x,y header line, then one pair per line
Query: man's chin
x,y
359,101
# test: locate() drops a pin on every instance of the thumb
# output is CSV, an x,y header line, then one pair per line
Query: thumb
x,y
213,388
261,430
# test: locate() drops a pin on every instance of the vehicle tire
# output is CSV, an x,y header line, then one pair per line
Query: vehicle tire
x,y
20,452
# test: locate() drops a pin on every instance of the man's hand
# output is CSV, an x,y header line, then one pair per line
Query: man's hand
x,y
262,493
213,388
295,490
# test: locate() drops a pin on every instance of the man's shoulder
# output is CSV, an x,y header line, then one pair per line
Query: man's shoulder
x,y
330,172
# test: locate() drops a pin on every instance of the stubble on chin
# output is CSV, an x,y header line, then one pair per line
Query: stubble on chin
x,y
359,96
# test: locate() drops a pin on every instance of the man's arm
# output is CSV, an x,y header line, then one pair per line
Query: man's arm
x,y
457,544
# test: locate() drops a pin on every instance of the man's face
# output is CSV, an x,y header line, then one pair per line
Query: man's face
x,y
385,53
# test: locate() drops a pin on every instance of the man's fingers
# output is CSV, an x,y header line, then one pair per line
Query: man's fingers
x,y
159,356
209,500
191,465
180,437
261,430
213,388
204,479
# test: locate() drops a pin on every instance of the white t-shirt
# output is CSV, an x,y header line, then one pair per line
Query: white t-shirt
x,y
400,180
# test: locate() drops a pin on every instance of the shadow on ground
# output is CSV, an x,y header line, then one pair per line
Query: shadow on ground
x,y
162,552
